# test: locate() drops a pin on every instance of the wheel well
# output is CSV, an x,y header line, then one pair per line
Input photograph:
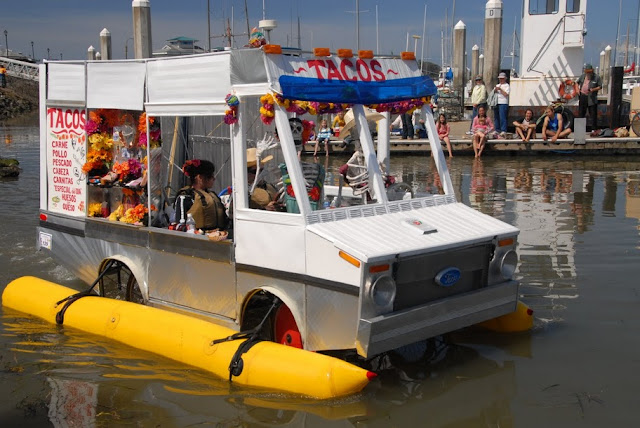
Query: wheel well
x,y
256,306
129,265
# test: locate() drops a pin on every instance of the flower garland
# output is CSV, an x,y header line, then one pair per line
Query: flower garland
x,y
315,108
231,114
99,155
131,168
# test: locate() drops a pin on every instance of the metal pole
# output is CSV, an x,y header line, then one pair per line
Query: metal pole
x,y
208,27
358,25
6,43
33,55
424,27
637,56
615,49
377,39
48,55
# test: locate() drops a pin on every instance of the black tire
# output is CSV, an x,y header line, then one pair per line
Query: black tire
x,y
399,188
119,283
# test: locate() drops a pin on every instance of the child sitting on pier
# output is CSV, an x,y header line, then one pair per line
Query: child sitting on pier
x,y
481,128
553,126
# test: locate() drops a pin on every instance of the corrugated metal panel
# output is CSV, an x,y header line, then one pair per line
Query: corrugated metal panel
x,y
372,237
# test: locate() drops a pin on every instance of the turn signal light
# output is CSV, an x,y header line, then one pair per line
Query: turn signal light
x,y
349,258
379,268
505,242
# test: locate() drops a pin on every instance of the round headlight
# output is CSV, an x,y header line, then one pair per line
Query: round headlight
x,y
508,264
383,291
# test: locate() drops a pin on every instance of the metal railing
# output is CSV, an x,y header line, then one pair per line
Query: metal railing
x,y
21,69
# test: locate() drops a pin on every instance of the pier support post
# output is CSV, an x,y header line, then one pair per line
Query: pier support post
x,y
91,53
492,42
105,44
141,28
605,72
481,64
475,59
615,96
459,61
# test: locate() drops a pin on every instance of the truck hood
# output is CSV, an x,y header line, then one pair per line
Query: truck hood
x,y
405,233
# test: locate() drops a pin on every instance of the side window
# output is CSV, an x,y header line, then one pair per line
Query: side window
x,y
573,6
544,7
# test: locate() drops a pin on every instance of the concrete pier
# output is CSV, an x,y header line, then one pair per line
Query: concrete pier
x,y
141,28
492,42
105,44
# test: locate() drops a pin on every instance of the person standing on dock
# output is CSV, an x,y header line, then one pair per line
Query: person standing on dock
x,y
589,84
501,111
478,99
3,76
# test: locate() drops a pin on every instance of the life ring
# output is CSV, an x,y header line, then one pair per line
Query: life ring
x,y
568,89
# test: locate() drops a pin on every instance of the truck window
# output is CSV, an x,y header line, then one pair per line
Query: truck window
x,y
573,6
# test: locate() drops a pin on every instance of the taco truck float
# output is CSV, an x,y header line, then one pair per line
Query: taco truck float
x,y
383,272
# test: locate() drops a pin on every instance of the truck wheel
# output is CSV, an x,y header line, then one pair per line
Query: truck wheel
x,y
285,329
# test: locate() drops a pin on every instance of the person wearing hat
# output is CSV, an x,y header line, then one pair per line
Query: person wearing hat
x,y
589,84
478,99
262,195
501,111
196,199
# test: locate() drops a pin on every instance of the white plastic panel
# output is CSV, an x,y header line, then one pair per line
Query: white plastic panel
x,y
66,83
116,85
188,86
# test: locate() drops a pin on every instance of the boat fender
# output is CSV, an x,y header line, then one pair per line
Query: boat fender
x,y
568,89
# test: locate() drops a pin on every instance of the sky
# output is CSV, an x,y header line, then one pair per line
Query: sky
x,y
68,27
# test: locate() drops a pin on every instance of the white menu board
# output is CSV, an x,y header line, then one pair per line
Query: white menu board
x,y
66,154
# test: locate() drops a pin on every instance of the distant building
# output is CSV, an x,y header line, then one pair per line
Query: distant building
x,y
179,46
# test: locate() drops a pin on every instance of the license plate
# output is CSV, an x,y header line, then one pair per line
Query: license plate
x,y
45,240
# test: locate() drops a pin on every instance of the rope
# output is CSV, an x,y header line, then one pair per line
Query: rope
x,y
237,364
70,299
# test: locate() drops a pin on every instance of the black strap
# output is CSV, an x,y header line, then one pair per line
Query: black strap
x,y
70,299
237,364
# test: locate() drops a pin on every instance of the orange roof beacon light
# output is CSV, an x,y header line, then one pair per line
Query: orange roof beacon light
x,y
345,53
321,51
408,56
272,49
365,54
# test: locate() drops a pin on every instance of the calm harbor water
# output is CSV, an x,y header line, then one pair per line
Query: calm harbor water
x,y
579,251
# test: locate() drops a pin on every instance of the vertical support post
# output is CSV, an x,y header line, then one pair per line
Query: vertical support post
x,y
383,140
105,44
492,42
141,28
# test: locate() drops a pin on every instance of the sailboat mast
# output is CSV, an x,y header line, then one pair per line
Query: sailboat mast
x,y
513,46
424,27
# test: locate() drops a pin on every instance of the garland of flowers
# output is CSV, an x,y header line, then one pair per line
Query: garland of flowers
x,y
131,169
315,108
231,114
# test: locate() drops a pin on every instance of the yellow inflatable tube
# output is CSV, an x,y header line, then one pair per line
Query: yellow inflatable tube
x,y
189,340
519,320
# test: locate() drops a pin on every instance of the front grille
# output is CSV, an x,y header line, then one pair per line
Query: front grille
x,y
415,276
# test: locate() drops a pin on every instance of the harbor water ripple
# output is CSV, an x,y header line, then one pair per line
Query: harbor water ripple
x,y
579,249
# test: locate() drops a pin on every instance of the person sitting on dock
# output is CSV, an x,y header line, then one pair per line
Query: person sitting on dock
x,y
324,136
443,129
527,128
205,206
553,126
481,128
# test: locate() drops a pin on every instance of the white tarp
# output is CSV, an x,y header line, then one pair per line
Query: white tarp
x,y
188,86
116,85
66,83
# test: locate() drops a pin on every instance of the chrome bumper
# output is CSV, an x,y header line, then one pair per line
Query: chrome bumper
x,y
390,331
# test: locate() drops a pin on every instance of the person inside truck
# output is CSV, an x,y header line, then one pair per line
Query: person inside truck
x,y
196,198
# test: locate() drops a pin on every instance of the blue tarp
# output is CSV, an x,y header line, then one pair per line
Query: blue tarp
x,y
355,92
